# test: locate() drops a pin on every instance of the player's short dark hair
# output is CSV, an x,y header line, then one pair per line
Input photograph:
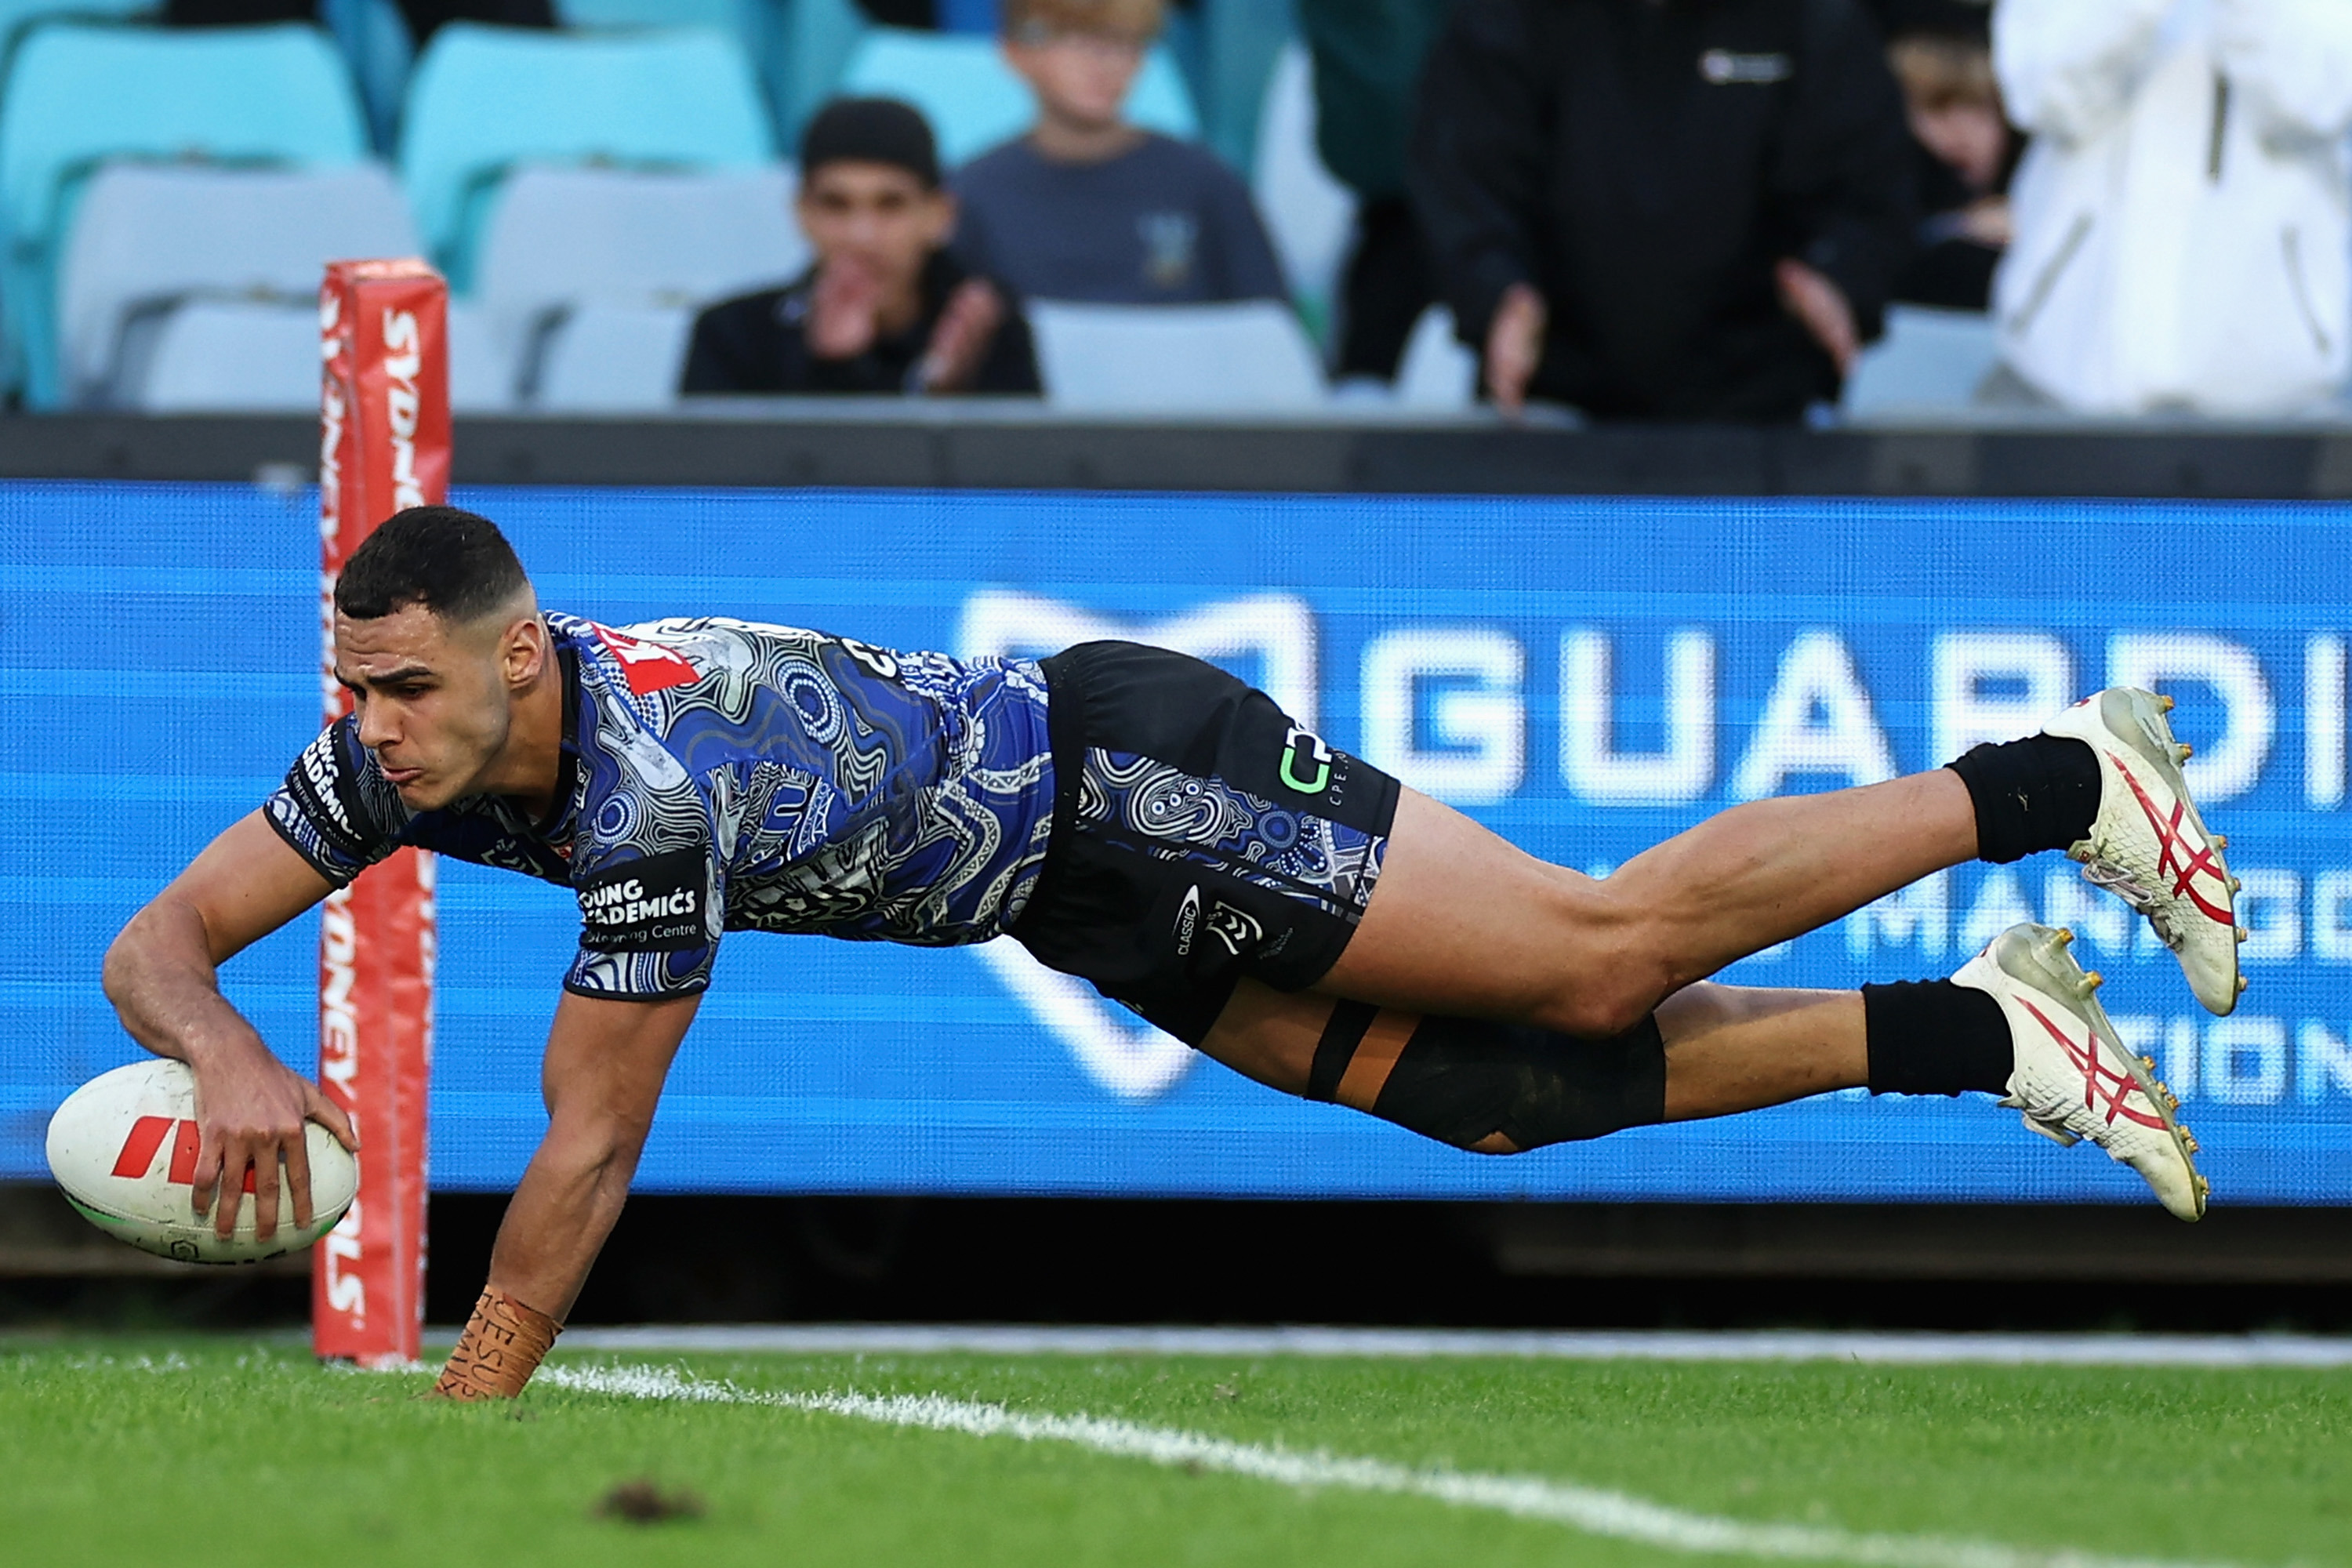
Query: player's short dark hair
x,y
454,562
872,131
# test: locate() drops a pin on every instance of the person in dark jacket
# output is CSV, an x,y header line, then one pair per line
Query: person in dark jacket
x,y
885,310
1688,209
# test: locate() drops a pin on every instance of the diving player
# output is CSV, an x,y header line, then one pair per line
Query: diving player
x,y
1149,823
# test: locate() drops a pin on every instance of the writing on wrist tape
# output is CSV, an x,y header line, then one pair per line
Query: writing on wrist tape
x,y
503,1345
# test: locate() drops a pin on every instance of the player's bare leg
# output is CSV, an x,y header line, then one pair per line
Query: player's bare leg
x,y
2018,1020
1464,921
1493,1002
1728,1048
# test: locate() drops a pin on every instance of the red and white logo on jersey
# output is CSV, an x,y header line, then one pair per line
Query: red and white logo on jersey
x,y
649,666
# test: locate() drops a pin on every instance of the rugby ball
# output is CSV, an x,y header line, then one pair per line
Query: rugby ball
x,y
123,1146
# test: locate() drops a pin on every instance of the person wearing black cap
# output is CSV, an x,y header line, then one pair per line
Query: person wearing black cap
x,y
885,310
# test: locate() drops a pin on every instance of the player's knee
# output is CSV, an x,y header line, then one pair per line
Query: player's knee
x,y
1603,996
1498,1088
1609,974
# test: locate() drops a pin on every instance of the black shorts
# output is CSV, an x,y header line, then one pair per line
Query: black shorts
x,y
1199,836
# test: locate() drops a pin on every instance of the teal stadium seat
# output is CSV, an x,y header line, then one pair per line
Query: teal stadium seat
x,y
486,99
974,100
79,96
744,18
16,16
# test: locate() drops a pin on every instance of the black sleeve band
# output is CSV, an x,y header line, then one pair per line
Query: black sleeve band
x,y
1336,1048
1459,1080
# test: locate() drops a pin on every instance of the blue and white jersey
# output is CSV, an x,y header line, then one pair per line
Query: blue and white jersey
x,y
726,776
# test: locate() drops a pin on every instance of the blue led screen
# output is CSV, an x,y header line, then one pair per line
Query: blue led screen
x,y
1585,676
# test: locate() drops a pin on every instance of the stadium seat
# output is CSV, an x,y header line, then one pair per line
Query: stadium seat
x,y
251,356
1438,373
231,356
148,241
373,37
743,18
244,356
1309,215
974,100
612,358
80,95
486,99
1930,361
1247,358
18,17
481,363
562,237
807,53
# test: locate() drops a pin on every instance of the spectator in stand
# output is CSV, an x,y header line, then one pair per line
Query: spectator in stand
x,y
1942,54
2181,226
424,16
1087,206
885,308
1664,209
1367,59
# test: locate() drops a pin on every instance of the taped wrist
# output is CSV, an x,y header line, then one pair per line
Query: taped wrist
x,y
1488,1087
503,1345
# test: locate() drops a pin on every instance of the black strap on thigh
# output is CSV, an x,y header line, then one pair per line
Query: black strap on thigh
x,y
1336,1048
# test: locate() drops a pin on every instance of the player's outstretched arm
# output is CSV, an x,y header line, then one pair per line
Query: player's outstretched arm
x,y
162,975
605,1063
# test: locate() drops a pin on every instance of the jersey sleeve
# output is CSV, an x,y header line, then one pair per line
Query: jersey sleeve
x,y
334,808
649,924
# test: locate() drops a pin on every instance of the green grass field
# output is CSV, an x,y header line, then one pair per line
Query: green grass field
x,y
178,1452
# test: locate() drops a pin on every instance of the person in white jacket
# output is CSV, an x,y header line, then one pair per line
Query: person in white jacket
x,y
2182,241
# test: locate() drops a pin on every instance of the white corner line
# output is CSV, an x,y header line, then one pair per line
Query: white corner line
x,y
1615,1515
1888,1349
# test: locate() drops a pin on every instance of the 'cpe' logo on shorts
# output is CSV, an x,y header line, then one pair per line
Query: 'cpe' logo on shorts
x,y
653,904
1306,761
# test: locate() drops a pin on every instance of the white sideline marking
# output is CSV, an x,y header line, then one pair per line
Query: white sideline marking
x,y
1889,1349
1615,1515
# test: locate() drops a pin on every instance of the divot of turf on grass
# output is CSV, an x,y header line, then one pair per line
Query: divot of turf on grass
x,y
1592,1510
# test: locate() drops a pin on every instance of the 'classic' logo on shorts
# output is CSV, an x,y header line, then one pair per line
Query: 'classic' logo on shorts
x,y
648,905
1188,920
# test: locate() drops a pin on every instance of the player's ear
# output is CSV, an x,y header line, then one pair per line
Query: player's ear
x,y
523,651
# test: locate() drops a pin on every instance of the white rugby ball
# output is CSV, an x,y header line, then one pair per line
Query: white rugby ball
x,y
123,1146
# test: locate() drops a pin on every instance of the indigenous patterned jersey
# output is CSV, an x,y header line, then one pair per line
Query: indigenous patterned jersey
x,y
726,776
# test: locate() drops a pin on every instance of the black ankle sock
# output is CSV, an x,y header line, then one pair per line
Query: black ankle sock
x,y
2041,793
1931,1036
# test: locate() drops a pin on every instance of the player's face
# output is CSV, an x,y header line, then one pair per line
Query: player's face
x,y
876,218
432,698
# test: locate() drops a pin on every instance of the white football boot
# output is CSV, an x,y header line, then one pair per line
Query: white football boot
x,y
2074,1078
2150,847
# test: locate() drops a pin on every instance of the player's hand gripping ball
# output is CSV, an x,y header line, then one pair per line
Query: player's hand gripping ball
x,y
123,1147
